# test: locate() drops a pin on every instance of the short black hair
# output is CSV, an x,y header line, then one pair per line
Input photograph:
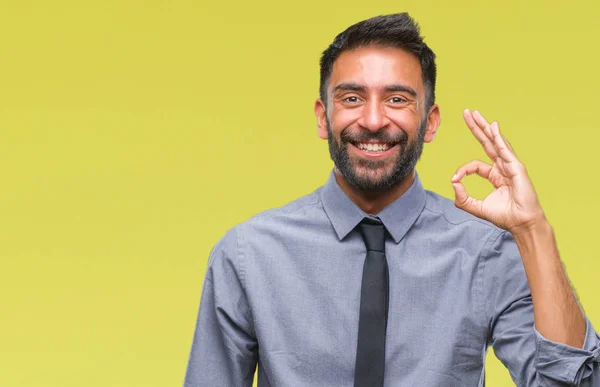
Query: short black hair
x,y
397,30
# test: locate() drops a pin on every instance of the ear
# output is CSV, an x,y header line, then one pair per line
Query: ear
x,y
433,122
321,113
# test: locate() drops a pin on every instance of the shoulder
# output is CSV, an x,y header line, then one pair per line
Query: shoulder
x,y
444,210
272,221
461,225
493,240
297,208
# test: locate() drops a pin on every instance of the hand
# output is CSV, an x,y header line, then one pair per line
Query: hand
x,y
513,205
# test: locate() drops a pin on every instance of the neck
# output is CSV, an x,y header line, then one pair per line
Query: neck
x,y
373,202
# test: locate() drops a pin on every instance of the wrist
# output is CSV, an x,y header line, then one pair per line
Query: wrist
x,y
534,235
537,225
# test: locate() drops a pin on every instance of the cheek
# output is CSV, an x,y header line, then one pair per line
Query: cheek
x,y
407,119
343,118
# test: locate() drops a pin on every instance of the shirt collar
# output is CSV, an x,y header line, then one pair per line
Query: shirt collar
x,y
397,217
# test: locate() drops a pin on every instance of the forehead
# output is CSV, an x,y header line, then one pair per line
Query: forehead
x,y
377,67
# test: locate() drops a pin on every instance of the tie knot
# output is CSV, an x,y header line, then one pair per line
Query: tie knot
x,y
373,233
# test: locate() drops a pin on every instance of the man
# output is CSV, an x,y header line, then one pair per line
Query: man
x,y
373,281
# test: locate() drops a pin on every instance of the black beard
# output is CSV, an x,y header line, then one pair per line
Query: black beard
x,y
405,163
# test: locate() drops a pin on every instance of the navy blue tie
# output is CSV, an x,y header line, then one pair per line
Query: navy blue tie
x,y
374,293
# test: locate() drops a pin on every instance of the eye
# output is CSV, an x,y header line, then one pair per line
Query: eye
x,y
398,100
351,99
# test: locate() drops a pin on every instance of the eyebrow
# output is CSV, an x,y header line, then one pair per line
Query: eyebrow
x,y
389,88
349,87
401,88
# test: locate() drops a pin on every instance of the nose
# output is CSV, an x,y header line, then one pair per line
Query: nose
x,y
373,116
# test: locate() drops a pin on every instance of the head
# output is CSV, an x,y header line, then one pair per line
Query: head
x,y
377,101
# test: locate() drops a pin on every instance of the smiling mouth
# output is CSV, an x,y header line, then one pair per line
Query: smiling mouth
x,y
373,147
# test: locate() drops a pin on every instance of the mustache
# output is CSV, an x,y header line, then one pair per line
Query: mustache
x,y
348,136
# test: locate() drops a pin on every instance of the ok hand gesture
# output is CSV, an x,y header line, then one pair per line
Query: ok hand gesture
x,y
513,205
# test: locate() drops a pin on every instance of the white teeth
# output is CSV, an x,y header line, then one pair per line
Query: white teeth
x,y
370,147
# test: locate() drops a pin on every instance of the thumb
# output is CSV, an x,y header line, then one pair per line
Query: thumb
x,y
465,202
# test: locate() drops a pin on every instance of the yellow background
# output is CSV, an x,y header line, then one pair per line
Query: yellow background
x,y
133,134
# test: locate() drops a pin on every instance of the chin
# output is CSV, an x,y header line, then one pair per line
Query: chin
x,y
371,181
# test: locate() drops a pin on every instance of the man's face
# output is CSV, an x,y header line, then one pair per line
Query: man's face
x,y
375,121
